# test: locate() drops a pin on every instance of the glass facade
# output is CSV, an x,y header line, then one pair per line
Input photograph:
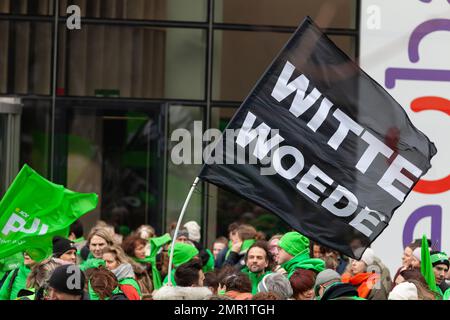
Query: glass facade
x,y
106,106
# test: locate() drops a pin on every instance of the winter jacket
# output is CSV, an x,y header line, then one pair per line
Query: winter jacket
x,y
238,259
364,282
181,293
10,290
255,278
303,261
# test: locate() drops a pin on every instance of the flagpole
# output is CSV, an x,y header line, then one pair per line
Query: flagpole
x,y
180,218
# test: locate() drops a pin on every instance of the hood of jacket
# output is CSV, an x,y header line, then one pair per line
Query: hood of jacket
x,y
125,270
181,293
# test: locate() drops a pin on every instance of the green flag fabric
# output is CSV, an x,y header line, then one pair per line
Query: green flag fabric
x,y
426,267
34,210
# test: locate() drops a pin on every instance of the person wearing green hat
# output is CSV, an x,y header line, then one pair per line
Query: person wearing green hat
x,y
183,253
258,262
294,254
246,236
440,263
16,279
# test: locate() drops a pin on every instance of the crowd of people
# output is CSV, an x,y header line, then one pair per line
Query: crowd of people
x,y
245,266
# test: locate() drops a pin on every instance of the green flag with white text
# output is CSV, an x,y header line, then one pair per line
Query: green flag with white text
x,y
34,210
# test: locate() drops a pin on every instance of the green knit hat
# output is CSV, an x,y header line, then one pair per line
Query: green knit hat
x,y
183,253
439,258
294,243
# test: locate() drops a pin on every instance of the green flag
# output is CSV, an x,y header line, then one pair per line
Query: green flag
x,y
426,266
34,210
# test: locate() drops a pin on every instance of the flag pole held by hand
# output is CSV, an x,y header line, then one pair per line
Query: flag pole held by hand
x,y
180,218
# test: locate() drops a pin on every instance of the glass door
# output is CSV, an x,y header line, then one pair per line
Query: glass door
x,y
115,149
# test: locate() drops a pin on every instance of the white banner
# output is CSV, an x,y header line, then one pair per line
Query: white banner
x,y
405,46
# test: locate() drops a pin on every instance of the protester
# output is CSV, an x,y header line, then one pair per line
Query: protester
x,y
64,249
103,285
233,236
218,245
67,282
99,238
294,254
440,263
258,261
370,276
190,284
328,286
407,258
76,233
182,254
274,248
212,281
302,283
237,286
16,279
135,247
38,279
276,283
120,265
246,237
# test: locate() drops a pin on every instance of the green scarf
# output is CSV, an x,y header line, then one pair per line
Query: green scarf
x,y
303,261
209,266
91,262
255,278
155,244
246,244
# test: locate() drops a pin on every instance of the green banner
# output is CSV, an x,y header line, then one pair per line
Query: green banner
x,y
34,210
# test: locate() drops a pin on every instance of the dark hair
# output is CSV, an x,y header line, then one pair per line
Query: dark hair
x,y
131,242
239,282
413,274
187,274
302,280
77,229
233,227
263,245
103,282
212,280
266,296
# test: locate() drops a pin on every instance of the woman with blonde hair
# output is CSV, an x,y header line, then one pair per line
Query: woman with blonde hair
x,y
123,268
98,239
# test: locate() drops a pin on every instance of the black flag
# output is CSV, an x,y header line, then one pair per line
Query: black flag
x,y
322,145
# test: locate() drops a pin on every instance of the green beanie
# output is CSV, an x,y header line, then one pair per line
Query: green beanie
x,y
439,258
294,243
183,253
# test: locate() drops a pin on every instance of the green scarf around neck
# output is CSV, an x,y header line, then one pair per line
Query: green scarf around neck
x,y
255,278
